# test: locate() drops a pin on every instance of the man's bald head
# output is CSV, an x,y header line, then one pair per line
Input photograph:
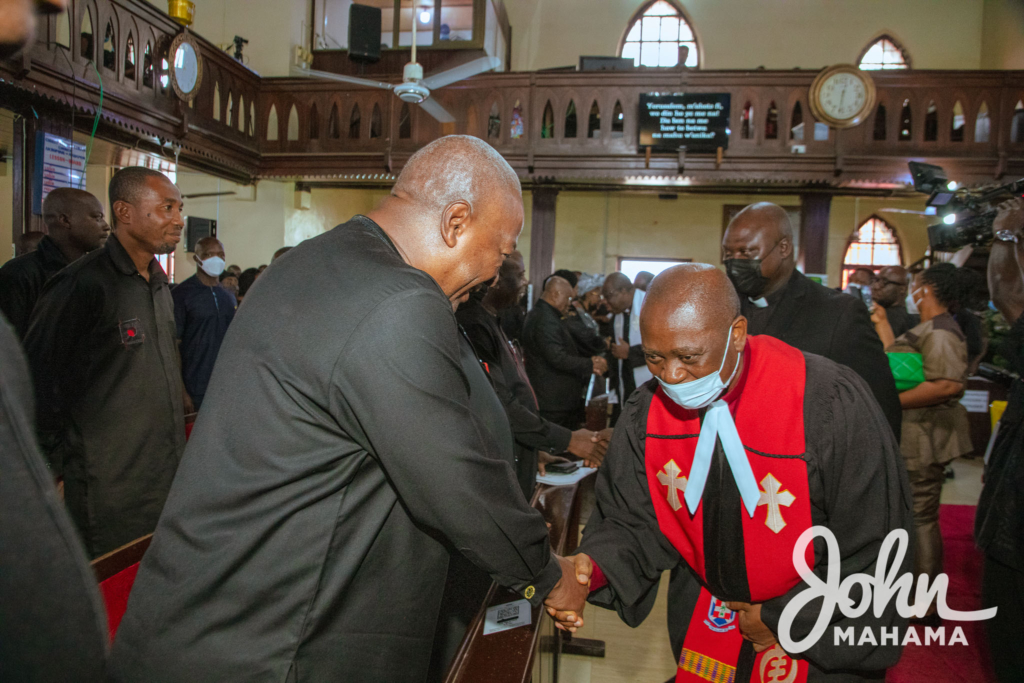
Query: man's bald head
x,y
209,246
643,280
557,292
455,212
890,287
618,292
690,316
760,232
74,220
457,167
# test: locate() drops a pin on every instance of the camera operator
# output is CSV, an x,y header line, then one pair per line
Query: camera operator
x,y
999,525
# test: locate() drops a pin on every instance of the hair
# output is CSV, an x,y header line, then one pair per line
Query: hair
x,y
129,182
566,275
226,274
862,269
279,253
954,287
246,279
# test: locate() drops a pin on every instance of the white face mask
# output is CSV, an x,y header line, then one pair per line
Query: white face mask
x,y
212,266
912,306
699,393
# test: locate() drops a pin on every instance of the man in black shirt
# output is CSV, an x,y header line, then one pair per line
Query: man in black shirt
x,y
306,537
101,345
889,290
778,300
202,312
479,318
74,219
558,371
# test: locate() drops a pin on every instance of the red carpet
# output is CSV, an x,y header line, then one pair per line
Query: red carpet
x,y
957,663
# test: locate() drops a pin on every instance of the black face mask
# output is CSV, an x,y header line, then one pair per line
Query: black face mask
x,y
746,276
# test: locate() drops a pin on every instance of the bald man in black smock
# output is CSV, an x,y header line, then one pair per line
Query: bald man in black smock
x,y
337,449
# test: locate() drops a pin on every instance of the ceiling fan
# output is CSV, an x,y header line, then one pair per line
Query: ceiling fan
x,y
414,88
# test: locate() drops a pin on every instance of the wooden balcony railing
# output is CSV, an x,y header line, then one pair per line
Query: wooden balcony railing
x,y
243,127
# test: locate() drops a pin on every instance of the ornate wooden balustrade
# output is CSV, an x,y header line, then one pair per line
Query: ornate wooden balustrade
x,y
243,127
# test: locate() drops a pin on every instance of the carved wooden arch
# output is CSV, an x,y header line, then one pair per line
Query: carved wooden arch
x,y
946,114
686,17
1011,111
886,34
154,41
570,95
541,99
111,17
883,98
612,96
334,100
134,32
522,95
984,97
494,97
760,108
786,115
81,7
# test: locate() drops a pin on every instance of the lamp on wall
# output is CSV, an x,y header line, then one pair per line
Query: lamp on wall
x,y
182,11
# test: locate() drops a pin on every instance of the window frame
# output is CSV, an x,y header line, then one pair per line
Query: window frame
x,y
845,267
904,53
637,15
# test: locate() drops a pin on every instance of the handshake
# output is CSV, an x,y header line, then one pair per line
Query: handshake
x,y
566,600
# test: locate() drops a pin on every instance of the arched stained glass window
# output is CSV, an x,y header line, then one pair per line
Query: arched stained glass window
x,y
657,32
873,245
884,53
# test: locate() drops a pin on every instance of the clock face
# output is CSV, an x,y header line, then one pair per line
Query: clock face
x,y
186,67
842,95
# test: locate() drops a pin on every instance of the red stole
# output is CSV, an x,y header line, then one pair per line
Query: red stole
x,y
767,406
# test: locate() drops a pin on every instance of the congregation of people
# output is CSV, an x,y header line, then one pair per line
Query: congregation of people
x,y
359,450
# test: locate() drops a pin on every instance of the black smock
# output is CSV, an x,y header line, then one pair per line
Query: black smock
x,y
52,626
101,346
202,315
816,319
858,489
508,375
302,539
22,280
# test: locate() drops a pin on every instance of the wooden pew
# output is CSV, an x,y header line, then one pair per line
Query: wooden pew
x,y
115,573
526,653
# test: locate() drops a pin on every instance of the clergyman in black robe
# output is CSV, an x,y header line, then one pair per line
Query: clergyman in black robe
x,y
817,451
337,458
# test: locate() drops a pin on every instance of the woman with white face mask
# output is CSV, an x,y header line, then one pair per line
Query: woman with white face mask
x,y
935,427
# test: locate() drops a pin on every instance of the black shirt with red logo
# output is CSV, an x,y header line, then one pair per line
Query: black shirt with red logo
x,y
101,345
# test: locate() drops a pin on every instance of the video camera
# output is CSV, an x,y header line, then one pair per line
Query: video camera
x,y
967,215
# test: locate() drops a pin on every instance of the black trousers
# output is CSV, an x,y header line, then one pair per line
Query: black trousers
x,y
1003,587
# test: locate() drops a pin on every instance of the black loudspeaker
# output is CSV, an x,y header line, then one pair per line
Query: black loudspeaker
x,y
198,228
364,33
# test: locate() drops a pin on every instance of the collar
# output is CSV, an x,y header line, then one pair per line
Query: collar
x,y
50,253
123,262
377,231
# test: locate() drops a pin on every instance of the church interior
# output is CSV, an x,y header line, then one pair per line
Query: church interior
x,y
638,129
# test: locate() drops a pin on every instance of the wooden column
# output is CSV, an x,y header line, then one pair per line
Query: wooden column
x,y
814,213
542,237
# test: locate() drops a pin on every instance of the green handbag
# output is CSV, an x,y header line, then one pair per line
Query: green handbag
x,y
907,369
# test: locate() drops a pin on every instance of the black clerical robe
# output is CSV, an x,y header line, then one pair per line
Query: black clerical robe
x,y
816,319
302,539
855,485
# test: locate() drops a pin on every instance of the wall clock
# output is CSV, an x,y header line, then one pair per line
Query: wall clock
x,y
842,96
186,67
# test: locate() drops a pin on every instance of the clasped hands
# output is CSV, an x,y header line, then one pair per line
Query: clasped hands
x,y
566,600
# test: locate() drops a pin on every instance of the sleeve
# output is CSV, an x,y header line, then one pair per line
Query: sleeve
x,y
180,313
15,300
636,356
62,317
399,383
529,428
550,344
587,340
856,345
856,464
945,356
622,535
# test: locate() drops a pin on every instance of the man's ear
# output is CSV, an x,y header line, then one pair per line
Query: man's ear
x,y
739,333
122,210
453,221
786,247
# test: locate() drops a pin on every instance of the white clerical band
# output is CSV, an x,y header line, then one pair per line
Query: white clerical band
x,y
718,424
